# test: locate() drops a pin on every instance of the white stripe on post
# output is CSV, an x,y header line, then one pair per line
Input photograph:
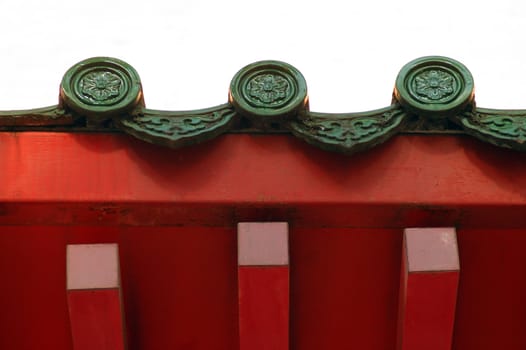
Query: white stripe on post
x,y
263,285
94,297
428,289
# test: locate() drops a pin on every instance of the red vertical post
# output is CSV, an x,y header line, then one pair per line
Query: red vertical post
x,y
94,297
263,286
428,289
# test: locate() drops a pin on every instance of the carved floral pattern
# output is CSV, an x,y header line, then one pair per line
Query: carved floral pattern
x,y
101,86
434,84
268,89
100,82
179,128
355,129
349,133
497,127
173,127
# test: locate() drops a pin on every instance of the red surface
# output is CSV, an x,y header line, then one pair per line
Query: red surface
x,y
96,319
344,288
429,313
181,282
174,213
428,291
263,307
491,307
255,168
114,179
177,283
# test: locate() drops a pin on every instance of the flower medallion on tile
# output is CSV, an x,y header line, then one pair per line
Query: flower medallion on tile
x,y
100,87
434,85
268,90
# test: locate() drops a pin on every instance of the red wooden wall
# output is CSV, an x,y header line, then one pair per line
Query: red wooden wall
x,y
174,215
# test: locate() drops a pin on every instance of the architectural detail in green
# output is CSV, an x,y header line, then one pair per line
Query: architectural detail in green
x,y
100,88
268,91
431,93
349,133
434,86
501,128
46,116
176,129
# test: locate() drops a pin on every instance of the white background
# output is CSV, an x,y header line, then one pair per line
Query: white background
x,y
187,51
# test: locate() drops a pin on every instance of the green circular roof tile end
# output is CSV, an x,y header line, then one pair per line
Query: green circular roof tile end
x,y
101,87
271,90
434,86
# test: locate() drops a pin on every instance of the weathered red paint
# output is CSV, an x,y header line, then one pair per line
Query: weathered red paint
x,y
114,179
174,213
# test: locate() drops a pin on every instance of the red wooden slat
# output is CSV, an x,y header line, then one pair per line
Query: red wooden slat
x,y
94,298
263,286
428,289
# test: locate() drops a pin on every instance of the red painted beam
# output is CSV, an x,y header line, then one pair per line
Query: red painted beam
x,y
428,289
263,286
262,169
94,297
72,178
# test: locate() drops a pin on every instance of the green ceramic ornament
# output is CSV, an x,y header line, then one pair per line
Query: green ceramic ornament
x,y
101,87
434,86
268,91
